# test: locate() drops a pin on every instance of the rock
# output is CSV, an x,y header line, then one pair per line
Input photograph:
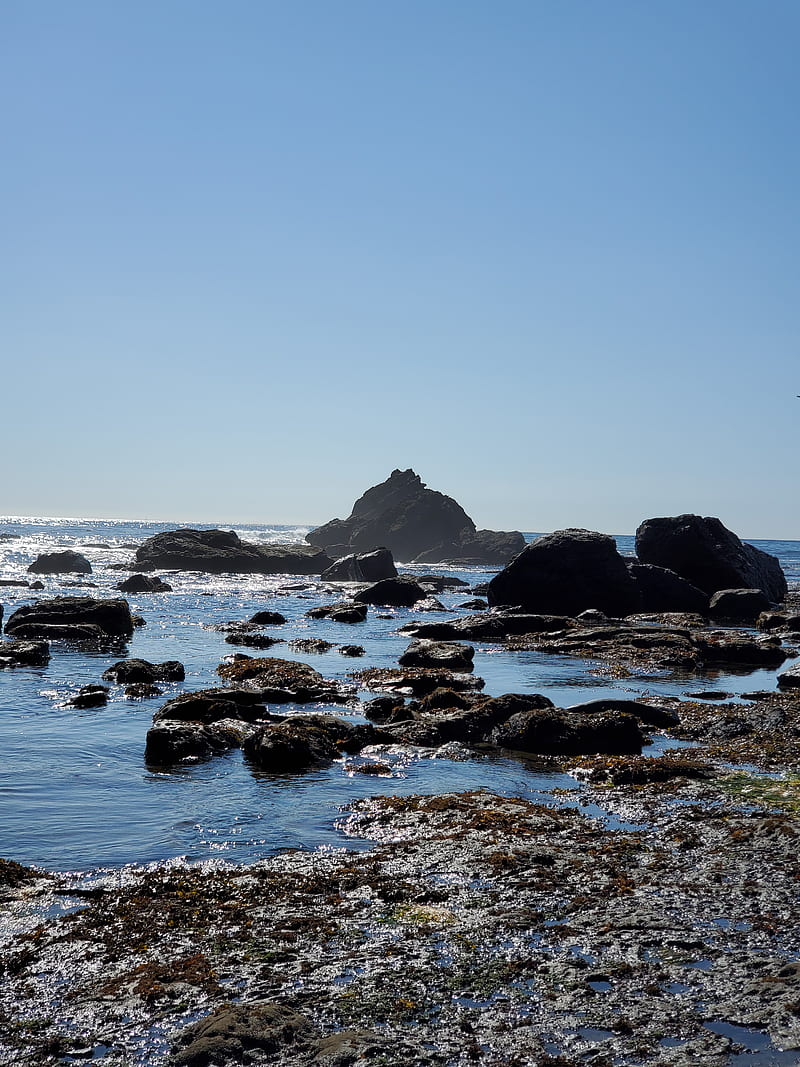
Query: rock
x,y
486,548
251,639
282,681
415,680
304,741
314,645
267,618
221,551
6,582
646,713
392,592
241,1033
80,617
38,586
440,583
140,670
709,555
430,603
67,562
347,611
22,653
89,696
788,679
144,583
785,621
171,742
473,605
738,606
451,655
488,626
409,519
352,650
565,573
142,691
554,732
729,647
663,590
362,567
213,705
442,718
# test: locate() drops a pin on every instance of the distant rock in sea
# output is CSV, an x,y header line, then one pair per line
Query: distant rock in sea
x,y
416,524
223,552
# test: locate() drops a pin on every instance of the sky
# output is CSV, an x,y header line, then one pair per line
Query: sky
x,y
258,254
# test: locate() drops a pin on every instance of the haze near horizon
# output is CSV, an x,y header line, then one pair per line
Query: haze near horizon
x,y
259,256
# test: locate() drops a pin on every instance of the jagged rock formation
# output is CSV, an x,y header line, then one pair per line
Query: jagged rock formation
x,y
416,524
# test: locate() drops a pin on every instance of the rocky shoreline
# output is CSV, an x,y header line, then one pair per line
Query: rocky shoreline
x,y
646,917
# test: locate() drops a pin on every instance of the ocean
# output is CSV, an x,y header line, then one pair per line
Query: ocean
x,y
75,792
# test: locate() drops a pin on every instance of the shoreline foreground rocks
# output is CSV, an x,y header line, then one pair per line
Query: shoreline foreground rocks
x,y
417,525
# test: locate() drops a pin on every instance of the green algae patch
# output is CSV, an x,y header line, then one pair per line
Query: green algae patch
x,y
763,791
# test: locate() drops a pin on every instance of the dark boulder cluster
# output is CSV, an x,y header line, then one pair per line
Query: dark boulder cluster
x,y
681,563
416,524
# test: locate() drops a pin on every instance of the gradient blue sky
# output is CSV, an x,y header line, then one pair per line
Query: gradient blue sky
x,y
258,254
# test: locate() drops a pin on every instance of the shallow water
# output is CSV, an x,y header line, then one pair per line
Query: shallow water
x,y
75,793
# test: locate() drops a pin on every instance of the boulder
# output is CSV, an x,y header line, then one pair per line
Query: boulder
x,y
68,562
246,637
89,696
566,572
80,617
346,611
362,567
486,548
222,551
392,592
451,655
709,555
213,705
738,606
23,653
140,670
411,520
267,618
171,742
663,590
304,741
553,732
144,583
789,679
282,681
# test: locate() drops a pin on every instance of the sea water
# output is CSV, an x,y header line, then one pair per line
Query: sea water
x,y
75,792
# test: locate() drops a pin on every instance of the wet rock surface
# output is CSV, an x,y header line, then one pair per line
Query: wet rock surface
x,y
78,617
67,562
222,551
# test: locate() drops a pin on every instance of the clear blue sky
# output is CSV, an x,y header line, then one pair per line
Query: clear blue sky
x,y
258,254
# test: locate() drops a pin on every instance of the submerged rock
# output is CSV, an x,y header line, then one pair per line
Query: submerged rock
x,y
222,551
413,521
709,555
67,562
89,696
141,670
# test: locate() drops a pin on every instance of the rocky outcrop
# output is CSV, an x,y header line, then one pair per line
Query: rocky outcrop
x,y
223,552
414,522
68,562
346,611
709,555
551,731
566,572
282,681
78,617
362,567
452,655
304,741
18,653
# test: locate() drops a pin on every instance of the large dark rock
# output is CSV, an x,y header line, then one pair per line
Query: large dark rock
x,y
282,681
709,555
664,590
566,572
362,567
169,741
346,611
411,520
68,562
304,741
551,731
86,617
222,551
